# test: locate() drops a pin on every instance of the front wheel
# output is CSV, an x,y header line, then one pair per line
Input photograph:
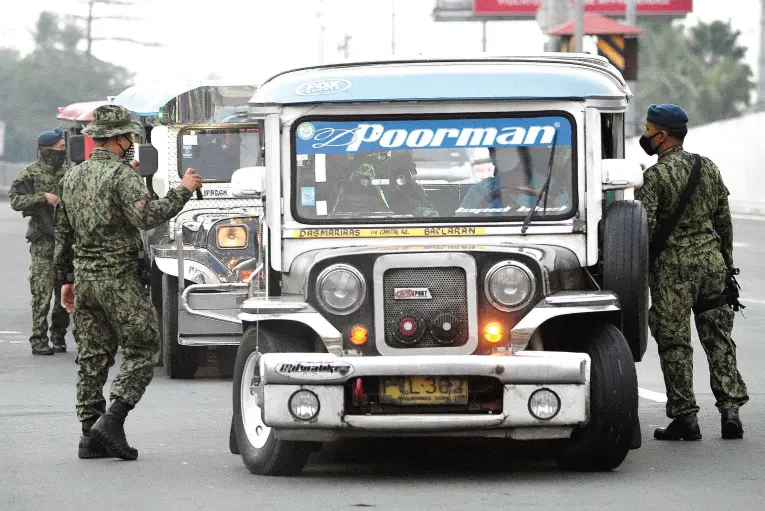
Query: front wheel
x,y
261,453
604,442
179,361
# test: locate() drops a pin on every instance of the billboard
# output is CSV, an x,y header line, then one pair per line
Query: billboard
x,y
477,10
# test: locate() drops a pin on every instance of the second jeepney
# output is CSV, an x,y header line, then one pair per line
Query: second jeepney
x,y
438,258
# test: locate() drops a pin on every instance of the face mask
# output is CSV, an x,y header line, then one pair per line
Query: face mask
x,y
127,154
53,157
645,143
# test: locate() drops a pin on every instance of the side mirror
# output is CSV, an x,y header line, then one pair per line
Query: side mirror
x,y
621,174
148,159
248,182
75,148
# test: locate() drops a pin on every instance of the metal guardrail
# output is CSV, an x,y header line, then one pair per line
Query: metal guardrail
x,y
230,286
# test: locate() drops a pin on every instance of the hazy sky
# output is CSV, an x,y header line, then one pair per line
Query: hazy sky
x,y
251,39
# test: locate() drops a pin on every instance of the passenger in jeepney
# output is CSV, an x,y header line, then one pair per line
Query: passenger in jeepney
x,y
381,181
519,176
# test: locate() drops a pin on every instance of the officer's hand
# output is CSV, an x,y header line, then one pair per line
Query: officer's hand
x,y
136,166
52,198
191,180
67,297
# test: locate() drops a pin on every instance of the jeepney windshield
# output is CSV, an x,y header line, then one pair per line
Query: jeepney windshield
x,y
217,152
459,169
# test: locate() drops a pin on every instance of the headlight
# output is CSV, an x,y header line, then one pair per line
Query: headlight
x,y
509,285
231,236
544,404
341,289
304,405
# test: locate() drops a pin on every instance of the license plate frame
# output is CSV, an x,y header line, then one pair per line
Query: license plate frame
x,y
424,390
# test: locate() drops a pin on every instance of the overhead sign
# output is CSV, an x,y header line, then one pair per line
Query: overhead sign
x,y
528,8
482,10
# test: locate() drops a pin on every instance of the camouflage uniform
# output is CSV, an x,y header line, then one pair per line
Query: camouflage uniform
x,y
43,178
693,267
103,206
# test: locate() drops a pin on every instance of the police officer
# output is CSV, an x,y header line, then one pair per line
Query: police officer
x,y
35,193
690,273
103,205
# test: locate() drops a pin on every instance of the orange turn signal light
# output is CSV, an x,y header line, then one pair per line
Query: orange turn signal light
x,y
493,332
245,275
359,335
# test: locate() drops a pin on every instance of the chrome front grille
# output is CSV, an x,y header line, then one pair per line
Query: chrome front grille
x,y
448,288
435,283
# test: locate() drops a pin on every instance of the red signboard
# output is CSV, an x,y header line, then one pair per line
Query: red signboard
x,y
528,8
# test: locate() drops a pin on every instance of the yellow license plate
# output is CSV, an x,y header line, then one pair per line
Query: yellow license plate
x,y
424,390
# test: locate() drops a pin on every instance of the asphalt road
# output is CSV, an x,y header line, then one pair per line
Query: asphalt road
x,y
181,430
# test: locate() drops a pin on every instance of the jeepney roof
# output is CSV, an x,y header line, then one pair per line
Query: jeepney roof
x,y
82,111
145,99
545,76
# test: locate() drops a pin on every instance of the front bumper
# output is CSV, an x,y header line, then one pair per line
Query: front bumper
x,y
282,374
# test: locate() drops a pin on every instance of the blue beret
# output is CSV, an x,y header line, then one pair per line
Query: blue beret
x,y
671,116
48,138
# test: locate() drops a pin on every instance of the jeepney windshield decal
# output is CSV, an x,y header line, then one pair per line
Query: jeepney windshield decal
x,y
460,169
215,153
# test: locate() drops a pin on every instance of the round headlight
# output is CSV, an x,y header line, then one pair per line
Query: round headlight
x,y
509,285
304,405
341,289
544,404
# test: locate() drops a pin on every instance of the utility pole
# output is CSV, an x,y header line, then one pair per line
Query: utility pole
x,y
761,62
344,47
632,124
578,26
392,27
320,17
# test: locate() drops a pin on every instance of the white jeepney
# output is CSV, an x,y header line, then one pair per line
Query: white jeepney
x,y
213,243
404,288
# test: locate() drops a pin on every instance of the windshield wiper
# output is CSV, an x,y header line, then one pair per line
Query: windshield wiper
x,y
545,188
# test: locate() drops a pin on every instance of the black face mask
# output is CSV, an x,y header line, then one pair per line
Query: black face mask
x,y
53,157
127,154
645,143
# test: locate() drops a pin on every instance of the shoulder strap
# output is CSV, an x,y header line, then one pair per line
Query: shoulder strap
x,y
659,240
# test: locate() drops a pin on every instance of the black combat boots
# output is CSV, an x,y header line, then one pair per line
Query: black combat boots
x,y
731,426
42,349
681,428
89,449
59,344
109,431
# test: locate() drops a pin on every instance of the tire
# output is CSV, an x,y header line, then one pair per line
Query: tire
x,y
625,269
604,442
263,454
181,362
156,300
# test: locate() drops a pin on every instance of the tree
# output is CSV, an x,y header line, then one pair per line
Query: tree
x,y
54,74
700,69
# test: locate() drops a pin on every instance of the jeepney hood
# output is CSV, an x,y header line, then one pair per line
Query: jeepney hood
x,y
551,257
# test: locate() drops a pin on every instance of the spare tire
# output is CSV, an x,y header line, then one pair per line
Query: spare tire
x,y
625,269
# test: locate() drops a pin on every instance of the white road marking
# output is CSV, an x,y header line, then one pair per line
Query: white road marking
x,y
9,332
749,217
651,395
740,245
746,299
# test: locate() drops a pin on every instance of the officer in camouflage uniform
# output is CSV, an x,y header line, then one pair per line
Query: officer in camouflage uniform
x,y
691,273
35,192
98,244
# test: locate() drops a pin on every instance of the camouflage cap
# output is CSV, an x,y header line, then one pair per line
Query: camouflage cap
x,y
110,121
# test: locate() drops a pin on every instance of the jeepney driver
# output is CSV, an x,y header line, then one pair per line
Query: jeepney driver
x,y
383,181
519,175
